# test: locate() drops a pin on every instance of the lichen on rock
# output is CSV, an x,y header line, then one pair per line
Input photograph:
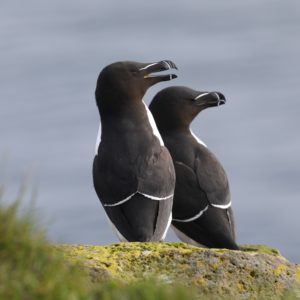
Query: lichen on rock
x,y
255,272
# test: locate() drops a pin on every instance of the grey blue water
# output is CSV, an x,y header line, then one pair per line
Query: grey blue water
x,y
52,52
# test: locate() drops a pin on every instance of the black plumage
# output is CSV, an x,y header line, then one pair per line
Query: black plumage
x,y
133,171
202,213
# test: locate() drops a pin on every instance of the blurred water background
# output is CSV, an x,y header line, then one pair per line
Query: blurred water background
x,y
52,52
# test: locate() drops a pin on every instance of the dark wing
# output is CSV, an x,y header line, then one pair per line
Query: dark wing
x,y
213,229
212,179
151,173
231,222
113,182
189,199
135,219
200,209
138,218
156,180
163,219
156,174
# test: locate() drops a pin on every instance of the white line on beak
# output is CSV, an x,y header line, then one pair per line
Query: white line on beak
x,y
148,66
168,65
201,95
217,95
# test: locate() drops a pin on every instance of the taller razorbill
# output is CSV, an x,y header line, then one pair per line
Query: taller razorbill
x,y
133,171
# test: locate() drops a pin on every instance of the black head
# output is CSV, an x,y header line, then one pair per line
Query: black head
x,y
177,106
129,81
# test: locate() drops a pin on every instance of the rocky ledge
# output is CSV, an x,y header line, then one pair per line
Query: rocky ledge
x,y
255,272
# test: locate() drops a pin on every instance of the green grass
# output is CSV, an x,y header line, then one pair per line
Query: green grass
x,y
31,269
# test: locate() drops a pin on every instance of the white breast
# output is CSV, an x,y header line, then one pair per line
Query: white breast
x,y
197,139
98,140
153,125
167,228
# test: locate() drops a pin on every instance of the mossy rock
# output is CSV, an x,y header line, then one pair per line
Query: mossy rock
x,y
255,272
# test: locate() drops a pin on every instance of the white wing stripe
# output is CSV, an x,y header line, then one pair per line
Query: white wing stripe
x,y
193,218
225,206
145,195
120,202
156,198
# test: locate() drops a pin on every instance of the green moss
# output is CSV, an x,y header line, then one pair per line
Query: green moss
x,y
279,270
258,272
298,274
134,258
261,249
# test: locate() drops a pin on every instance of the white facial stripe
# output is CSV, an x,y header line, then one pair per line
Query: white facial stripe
x,y
201,95
166,230
148,66
225,206
193,218
153,125
98,140
197,139
157,198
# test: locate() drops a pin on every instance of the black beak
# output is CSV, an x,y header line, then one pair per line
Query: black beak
x,y
220,98
148,69
208,99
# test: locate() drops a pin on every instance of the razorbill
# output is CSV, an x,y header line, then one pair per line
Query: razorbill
x,y
202,213
133,172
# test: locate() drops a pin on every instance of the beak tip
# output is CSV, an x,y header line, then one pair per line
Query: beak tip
x,y
221,101
169,64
